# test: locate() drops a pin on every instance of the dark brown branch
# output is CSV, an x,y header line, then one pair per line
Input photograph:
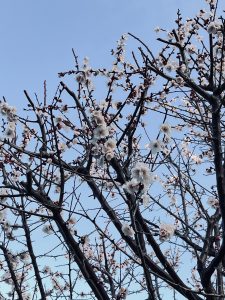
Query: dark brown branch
x,y
12,273
79,106
39,121
33,257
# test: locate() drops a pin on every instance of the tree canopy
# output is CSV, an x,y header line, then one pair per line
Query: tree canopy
x,y
122,196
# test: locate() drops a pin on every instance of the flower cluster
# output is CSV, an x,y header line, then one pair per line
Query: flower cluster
x,y
84,75
132,186
8,111
10,130
128,230
142,178
197,159
104,145
109,148
142,174
166,231
101,131
213,27
157,146
98,118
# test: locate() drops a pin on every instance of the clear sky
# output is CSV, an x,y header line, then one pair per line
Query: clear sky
x,y
37,36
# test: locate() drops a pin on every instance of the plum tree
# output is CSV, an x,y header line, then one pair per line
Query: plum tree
x,y
120,193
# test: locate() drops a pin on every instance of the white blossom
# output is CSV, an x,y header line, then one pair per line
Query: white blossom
x,y
6,277
24,256
191,49
127,230
183,68
4,108
196,159
100,132
10,130
141,173
103,105
46,270
132,186
146,200
213,27
166,151
3,194
85,240
122,293
72,221
213,202
74,141
47,229
169,67
204,81
211,1
15,175
155,146
62,146
180,82
98,117
59,120
80,78
166,231
109,155
166,129
110,144
8,111
157,29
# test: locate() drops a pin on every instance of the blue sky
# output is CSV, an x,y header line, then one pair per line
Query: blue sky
x,y
37,36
